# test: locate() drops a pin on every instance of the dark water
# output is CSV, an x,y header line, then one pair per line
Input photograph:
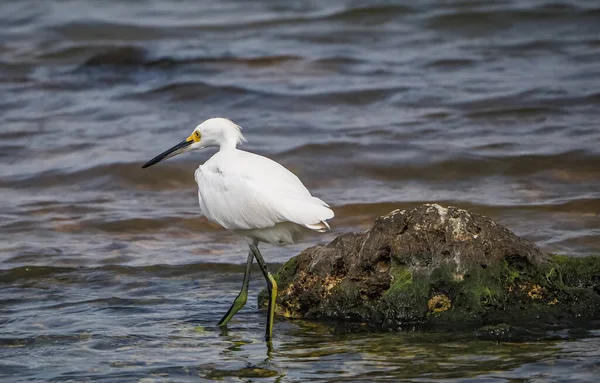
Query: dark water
x,y
107,272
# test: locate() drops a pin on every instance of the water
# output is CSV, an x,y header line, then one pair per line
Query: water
x,y
107,272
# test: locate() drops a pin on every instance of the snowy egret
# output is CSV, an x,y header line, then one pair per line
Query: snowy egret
x,y
252,196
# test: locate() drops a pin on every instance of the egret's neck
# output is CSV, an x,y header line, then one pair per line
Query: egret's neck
x,y
229,139
227,146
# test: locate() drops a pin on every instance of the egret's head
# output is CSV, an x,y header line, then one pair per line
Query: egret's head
x,y
212,132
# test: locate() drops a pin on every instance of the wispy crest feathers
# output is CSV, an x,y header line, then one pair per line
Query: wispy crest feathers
x,y
238,130
238,136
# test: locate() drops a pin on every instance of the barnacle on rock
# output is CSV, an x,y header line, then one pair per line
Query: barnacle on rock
x,y
439,303
536,292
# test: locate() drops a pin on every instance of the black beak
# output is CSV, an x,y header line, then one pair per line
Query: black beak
x,y
175,150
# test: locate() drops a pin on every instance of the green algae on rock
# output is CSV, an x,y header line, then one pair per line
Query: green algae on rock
x,y
438,267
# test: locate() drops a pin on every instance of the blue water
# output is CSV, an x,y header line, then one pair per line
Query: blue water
x,y
109,273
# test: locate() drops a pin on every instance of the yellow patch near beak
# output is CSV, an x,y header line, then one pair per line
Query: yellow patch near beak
x,y
194,137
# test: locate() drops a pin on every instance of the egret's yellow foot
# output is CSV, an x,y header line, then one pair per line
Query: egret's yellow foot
x,y
237,305
272,286
242,297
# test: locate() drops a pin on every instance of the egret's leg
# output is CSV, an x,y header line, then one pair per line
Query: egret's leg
x,y
242,297
271,288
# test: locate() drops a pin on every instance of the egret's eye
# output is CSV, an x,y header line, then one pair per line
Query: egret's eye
x,y
197,136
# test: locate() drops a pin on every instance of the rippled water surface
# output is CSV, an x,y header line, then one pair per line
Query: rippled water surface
x,y
108,273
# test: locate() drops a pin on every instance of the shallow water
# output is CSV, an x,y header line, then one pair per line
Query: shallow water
x,y
104,267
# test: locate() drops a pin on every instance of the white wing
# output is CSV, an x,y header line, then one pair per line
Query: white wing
x,y
241,191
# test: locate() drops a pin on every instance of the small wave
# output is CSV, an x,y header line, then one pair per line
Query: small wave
x,y
493,20
87,275
192,224
116,176
319,150
516,111
18,134
532,101
582,206
254,62
112,303
576,163
365,213
527,100
451,64
40,340
8,151
31,272
99,31
196,91
120,56
369,13
531,47
14,73
135,56
358,97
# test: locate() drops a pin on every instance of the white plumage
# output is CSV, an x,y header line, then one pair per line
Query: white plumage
x,y
252,196
258,198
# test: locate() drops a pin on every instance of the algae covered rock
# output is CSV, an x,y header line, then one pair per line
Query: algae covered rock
x,y
435,266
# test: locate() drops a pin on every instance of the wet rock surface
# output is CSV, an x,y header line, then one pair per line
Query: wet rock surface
x,y
438,267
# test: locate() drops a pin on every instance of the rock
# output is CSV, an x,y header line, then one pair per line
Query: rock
x,y
437,267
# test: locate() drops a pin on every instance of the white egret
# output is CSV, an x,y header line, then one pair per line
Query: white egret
x,y
252,196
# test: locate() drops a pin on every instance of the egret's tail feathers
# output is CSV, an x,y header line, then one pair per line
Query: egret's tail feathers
x,y
321,227
321,202
310,213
